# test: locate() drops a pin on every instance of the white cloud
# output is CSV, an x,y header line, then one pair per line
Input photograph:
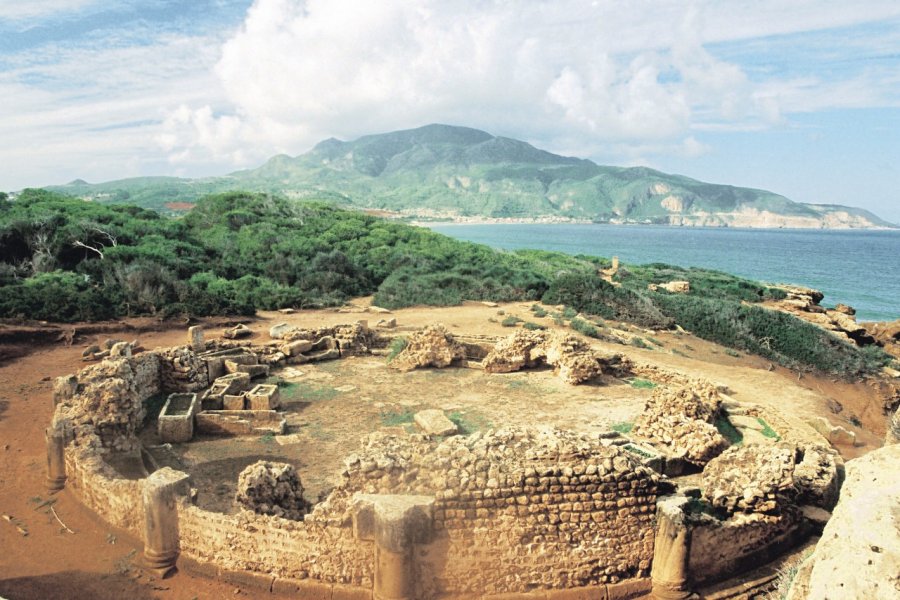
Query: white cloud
x,y
300,71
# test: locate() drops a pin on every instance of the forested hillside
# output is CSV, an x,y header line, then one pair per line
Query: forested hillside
x,y
64,259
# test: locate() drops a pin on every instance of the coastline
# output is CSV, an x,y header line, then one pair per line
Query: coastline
x,y
555,220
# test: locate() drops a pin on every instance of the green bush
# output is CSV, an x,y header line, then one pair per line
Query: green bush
x,y
396,346
583,327
532,326
510,321
588,293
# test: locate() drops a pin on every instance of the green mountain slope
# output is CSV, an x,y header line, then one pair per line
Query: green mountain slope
x,y
447,172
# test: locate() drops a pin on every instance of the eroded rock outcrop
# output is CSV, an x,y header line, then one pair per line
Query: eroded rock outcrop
x,y
858,555
271,488
681,418
432,346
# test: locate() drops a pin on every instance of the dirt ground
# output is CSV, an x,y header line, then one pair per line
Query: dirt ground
x,y
329,406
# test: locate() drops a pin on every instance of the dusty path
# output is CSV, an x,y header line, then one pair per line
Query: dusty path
x,y
98,561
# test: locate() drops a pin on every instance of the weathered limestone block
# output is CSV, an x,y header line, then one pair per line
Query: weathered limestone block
x,y
161,493
264,397
432,346
434,422
234,401
296,347
243,365
280,330
271,488
241,422
176,420
836,435
233,384
195,339
237,332
858,555
818,476
120,350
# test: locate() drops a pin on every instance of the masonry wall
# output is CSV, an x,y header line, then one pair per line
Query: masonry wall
x,y
116,500
276,546
721,549
517,510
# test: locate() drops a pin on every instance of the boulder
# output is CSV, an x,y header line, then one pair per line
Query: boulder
x,y
271,488
858,555
572,358
435,422
432,346
280,330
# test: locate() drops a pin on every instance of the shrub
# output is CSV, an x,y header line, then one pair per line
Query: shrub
x,y
396,346
584,328
531,326
511,321
588,293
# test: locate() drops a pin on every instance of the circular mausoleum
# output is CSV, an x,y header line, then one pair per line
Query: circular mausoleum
x,y
696,489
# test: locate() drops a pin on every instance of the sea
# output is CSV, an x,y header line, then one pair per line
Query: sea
x,y
860,268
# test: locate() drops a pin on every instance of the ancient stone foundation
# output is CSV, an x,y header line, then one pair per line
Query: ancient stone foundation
x,y
511,512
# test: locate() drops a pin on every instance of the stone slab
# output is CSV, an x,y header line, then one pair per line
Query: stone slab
x,y
434,422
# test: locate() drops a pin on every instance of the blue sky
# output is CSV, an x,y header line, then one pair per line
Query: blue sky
x,y
801,98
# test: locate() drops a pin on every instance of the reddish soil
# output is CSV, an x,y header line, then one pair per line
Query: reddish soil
x,y
98,561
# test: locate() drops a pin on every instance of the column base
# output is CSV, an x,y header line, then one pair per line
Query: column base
x,y
160,564
662,590
55,484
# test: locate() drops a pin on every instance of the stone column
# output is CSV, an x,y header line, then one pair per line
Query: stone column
x,y
395,524
56,459
669,574
196,339
161,538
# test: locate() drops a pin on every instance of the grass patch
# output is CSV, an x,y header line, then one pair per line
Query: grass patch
x,y
469,423
654,341
728,431
306,392
268,438
394,418
584,328
623,427
767,431
511,321
538,310
732,353
642,384
532,326
638,342
396,346
569,312
635,450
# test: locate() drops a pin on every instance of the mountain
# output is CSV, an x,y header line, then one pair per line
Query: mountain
x,y
448,172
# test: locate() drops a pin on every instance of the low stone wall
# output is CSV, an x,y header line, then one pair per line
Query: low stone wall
x,y
517,510
276,546
722,549
100,488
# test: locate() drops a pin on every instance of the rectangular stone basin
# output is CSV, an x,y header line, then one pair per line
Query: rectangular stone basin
x,y
263,397
241,422
176,420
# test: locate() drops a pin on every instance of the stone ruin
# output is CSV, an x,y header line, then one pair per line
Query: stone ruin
x,y
501,512
270,488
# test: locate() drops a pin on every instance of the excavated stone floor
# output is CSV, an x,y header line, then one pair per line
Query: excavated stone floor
x,y
329,406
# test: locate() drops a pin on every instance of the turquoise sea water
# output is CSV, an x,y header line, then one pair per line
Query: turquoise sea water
x,y
859,268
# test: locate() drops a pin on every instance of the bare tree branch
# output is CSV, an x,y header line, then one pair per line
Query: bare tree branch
x,y
78,244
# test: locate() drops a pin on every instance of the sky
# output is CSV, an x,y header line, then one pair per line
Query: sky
x,y
801,98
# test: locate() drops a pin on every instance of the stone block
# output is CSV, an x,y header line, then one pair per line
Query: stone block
x,y
435,422
195,339
264,397
241,422
296,347
582,593
176,420
252,369
279,330
310,589
631,588
234,402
